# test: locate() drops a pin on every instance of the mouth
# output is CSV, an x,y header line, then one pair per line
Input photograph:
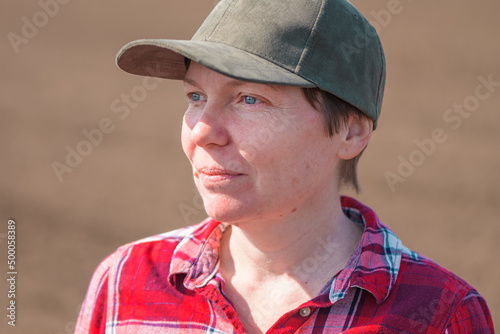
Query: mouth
x,y
214,176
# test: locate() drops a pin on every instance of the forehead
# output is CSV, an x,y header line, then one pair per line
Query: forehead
x,y
198,75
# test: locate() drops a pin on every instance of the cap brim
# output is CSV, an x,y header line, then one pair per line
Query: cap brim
x,y
165,59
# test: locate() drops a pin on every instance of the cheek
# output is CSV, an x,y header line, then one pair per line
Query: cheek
x,y
262,144
306,158
187,144
274,154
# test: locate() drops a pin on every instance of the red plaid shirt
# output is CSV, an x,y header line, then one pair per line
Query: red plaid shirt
x,y
170,284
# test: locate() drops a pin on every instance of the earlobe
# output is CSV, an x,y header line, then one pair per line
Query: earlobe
x,y
354,137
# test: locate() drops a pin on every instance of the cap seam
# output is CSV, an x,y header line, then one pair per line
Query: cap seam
x,y
255,53
223,17
310,38
292,68
379,102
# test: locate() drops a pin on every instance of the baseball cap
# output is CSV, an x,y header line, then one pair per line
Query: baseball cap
x,y
315,43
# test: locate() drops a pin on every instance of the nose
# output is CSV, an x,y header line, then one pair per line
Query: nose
x,y
208,127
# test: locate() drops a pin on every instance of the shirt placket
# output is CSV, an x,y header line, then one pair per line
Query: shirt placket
x,y
213,293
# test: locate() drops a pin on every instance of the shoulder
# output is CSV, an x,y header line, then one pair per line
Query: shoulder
x,y
443,297
142,265
155,248
423,273
158,248
412,289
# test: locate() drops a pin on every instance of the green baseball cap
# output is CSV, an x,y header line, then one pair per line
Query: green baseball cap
x,y
306,43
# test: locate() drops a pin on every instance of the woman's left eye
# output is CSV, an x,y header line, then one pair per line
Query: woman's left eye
x,y
250,100
195,97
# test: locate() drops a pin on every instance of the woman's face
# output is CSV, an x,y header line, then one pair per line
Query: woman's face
x,y
257,151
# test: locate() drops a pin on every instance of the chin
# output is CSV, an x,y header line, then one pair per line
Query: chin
x,y
228,210
225,215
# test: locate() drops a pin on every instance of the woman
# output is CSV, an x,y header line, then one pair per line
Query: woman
x,y
283,97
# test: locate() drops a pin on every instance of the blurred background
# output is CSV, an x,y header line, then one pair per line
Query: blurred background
x,y
75,200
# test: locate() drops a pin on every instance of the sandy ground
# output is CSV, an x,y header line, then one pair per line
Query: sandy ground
x,y
62,81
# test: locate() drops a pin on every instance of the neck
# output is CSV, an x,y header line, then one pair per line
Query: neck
x,y
286,247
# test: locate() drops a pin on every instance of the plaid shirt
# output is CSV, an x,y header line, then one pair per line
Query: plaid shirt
x,y
170,284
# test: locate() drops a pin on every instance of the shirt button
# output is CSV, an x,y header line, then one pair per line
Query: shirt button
x,y
305,311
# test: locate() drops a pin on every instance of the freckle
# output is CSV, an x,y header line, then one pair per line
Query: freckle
x,y
294,209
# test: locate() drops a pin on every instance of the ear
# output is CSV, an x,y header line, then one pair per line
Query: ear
x,y
354,137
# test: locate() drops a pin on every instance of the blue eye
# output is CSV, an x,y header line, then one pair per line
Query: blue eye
x,y
250,100
195,97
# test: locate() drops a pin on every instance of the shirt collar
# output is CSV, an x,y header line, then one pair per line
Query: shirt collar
x,y
197,254
373,266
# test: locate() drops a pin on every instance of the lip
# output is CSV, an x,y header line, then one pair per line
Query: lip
x,y
216,175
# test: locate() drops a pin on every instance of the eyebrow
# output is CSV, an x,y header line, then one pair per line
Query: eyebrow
x,y
190,81
232,83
